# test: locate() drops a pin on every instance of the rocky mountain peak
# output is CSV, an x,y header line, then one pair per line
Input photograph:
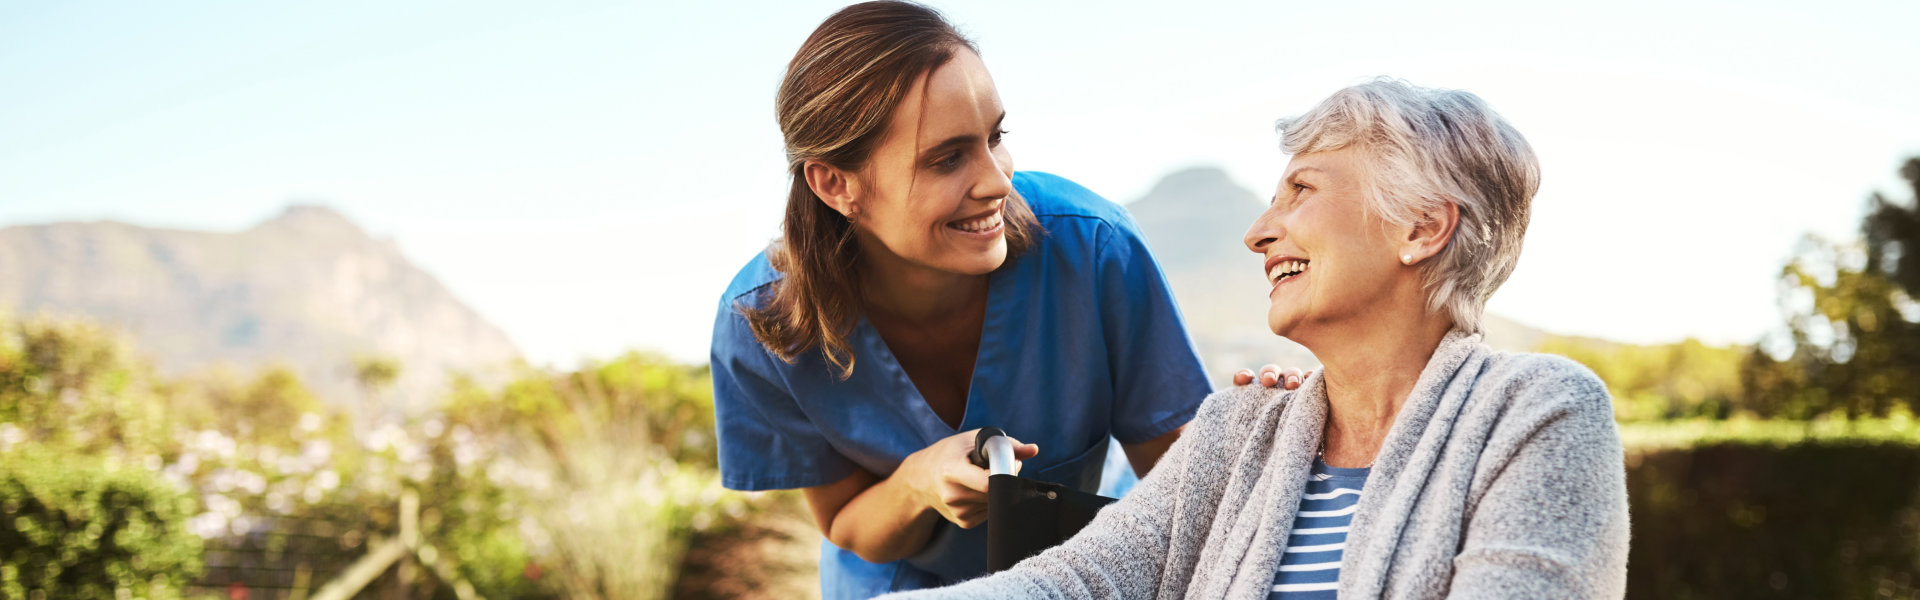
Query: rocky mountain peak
x,y
312,220
1200,188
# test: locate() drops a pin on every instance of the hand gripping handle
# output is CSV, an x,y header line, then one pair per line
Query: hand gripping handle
x,y
993,451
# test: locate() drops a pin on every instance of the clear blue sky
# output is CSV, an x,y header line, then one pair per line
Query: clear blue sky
x,y
589,175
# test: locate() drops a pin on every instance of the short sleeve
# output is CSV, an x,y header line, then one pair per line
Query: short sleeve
x,y
766,441
1158,379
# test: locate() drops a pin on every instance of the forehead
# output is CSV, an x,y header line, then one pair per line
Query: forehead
x,y
953,99
1338,164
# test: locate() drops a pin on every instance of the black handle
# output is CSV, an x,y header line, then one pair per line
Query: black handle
x,y
979,455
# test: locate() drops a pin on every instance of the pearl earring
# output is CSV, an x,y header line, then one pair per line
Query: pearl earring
x,y
1406,259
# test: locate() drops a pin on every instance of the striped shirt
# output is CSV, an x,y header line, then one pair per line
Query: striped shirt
x,y
1310,568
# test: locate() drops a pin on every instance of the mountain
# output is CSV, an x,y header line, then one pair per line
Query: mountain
x,y
308,289
1195,221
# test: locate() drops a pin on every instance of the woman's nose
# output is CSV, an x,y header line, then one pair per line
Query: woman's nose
x,y
1261,234
995,180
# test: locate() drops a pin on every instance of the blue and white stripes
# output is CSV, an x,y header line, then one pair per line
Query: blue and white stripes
x,y
1310,568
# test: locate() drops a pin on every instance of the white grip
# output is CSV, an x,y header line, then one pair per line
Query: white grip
x,y
999,455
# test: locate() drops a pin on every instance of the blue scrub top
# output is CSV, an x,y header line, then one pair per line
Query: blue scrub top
x,y
1082,344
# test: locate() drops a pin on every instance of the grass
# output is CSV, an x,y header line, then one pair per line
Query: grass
x,y
1660,435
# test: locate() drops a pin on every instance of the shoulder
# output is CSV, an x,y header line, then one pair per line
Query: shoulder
x,y
1055,197
752,279
1077,220
1546,386
750,287
1230,411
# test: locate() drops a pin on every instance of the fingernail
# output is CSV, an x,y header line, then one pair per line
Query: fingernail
x,y
1293,380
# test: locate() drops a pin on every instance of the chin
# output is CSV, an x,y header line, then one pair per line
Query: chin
x,y
985,262
1281,322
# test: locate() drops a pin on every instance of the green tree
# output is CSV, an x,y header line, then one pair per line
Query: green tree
x,y
71,383
1853,327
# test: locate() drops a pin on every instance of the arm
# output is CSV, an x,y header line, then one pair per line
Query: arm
x,y
1553,521
1145,454
1157,379
891,525
892,518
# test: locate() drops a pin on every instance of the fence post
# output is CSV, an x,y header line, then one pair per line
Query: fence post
x,y
405,548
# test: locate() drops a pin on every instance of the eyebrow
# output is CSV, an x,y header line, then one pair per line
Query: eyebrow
x,y
1296,172
961,140
1292,177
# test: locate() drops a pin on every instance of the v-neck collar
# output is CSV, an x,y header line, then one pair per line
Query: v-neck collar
x,y
992,325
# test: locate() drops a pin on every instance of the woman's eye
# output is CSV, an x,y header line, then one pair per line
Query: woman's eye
x,y
948,161
994,140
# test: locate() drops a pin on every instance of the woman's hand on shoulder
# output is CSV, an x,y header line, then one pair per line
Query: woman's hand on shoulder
x,y
1272,376
946,480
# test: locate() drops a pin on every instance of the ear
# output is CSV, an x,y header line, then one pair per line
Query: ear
x,y
1431,234
835,187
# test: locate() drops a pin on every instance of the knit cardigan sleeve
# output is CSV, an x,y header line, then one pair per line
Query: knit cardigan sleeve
x,y
1550,521
1123,552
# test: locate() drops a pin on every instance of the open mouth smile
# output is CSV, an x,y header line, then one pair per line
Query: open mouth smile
x,y
1285,269
987,224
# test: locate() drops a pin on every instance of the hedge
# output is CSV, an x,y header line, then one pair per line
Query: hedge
x,y
80,527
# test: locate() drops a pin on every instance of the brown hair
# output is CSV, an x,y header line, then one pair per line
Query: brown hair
x,y
834,105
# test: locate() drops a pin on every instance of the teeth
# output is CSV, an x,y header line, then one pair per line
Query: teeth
x,y
979,225
1285,269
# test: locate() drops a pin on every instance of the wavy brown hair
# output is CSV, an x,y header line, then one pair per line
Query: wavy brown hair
x,y
834,105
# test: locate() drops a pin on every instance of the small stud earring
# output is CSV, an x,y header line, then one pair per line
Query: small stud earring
x,y
1406,259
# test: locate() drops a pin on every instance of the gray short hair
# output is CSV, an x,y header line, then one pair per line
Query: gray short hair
x,y
1421,147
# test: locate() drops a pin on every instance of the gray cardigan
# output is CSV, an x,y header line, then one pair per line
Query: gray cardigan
x,y
1502,477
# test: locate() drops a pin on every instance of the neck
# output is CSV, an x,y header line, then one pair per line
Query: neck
x,y
1370,368
912,292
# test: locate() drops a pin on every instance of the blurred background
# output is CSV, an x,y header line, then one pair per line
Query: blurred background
x,y
413,300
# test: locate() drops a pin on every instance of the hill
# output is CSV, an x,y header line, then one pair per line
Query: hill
x,y
308,289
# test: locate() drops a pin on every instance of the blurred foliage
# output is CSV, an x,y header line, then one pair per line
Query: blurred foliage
x,y
616,462
577,484
1900,428
667,405
73,384
1668,381
91,528
1824,519
1853,339
375,372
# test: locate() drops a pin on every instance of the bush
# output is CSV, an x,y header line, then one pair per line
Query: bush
x,y
1823,519
74,384
79,527
613,464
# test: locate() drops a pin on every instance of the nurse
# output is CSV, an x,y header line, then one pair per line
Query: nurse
x,y
923,289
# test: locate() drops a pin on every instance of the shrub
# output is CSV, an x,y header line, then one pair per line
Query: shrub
x,y
79,527
1821,519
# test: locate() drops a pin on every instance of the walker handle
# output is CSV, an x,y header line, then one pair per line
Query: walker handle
x,y
993,451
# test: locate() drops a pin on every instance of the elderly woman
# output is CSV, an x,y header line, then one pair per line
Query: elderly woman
x,y
1419,463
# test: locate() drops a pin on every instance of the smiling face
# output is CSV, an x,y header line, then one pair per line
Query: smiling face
x,y
1328,259
933,191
